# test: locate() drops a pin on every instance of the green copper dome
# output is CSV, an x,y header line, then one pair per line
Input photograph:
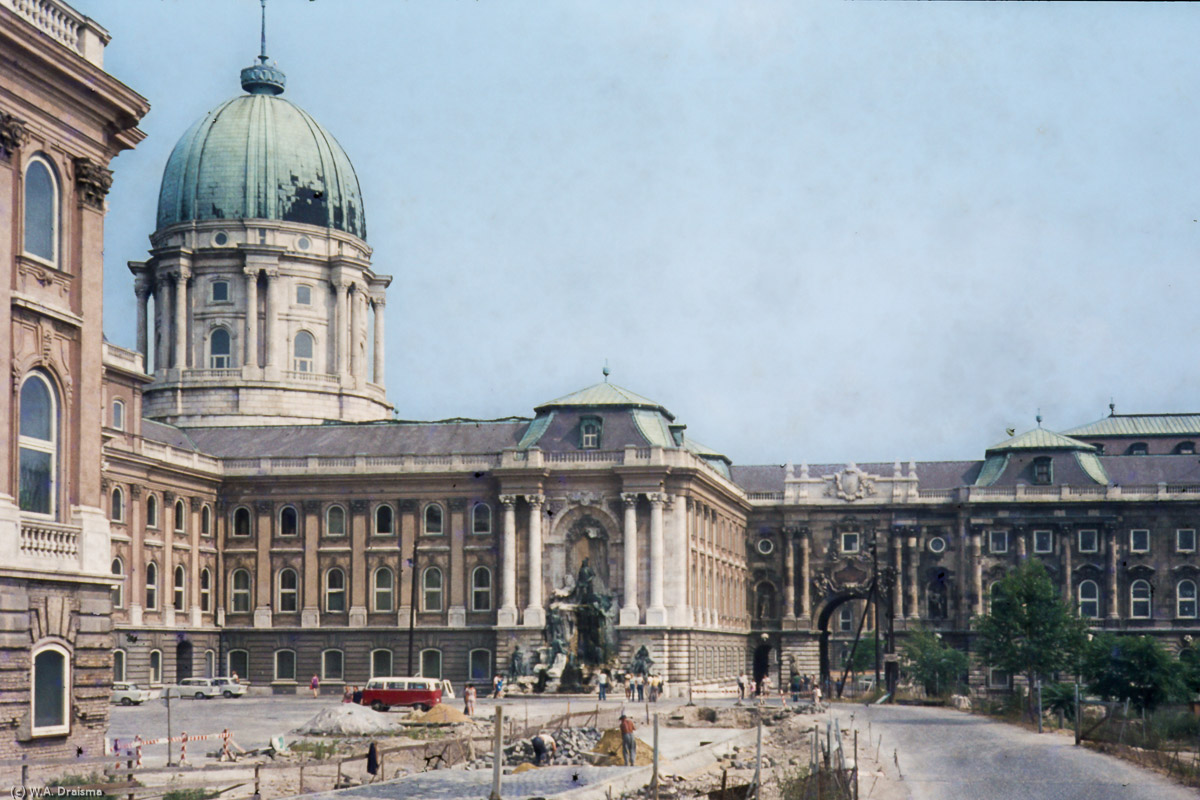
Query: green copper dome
x,y
258,156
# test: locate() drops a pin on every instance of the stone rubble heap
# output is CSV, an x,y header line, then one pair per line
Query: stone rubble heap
x,y
573,744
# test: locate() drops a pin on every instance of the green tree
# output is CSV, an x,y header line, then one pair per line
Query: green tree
x,y
1029,630
932,663
1189,662
1133,668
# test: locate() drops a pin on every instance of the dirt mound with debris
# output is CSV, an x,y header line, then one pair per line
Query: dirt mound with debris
x,y
523,768
440,714
347,719
704,717
609,751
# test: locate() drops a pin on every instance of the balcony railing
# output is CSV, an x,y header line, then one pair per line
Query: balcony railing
x,y
48,540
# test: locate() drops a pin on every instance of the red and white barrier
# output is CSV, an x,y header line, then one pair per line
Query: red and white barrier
x,y
227,745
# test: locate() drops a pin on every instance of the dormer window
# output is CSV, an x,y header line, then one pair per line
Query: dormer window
x,y
1185,449
589,433
1137,449
1043,472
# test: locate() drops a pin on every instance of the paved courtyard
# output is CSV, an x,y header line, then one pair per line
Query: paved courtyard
x,y
453,784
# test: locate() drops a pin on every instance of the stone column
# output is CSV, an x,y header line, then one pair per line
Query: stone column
x,y
507,615
535,615
805,576
341,327
143,298
378,305
914,597
271,328
355,300
656,613
180,323
1113,605
162,345
630,615
194,565
897,544
250,340
135,583
789,574
977,571
677,601
166,574
457,577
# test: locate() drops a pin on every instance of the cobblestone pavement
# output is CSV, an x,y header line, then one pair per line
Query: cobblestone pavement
x,y
454,784
948,755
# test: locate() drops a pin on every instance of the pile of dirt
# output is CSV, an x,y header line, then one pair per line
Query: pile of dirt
x,y
704,717
523,768
348,719
608,751
439,714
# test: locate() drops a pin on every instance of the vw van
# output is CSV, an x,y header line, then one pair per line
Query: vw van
x,y
420,693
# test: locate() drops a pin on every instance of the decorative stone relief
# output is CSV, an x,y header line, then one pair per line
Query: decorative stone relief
x,y
851,484
92,181
13,134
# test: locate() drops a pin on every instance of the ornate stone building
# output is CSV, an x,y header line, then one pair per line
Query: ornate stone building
x,y
62,120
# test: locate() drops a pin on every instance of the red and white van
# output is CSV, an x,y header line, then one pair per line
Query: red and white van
x,y
420,693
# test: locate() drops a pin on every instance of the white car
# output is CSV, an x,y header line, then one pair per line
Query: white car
x,y
130,694
229,687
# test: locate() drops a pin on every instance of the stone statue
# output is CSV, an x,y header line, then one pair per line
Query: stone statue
x,y
585,590
516,665
641,662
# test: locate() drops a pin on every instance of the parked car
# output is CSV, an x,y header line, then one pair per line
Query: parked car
x,y
229,687
199,688
130,694
420,693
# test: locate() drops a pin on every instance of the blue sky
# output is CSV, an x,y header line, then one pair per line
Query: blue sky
x,y
815,231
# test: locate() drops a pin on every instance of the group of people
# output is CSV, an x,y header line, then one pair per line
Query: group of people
x,y
644,688
799,685
352,694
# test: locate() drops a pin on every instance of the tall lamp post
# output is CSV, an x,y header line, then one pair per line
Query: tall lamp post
x,y
412,604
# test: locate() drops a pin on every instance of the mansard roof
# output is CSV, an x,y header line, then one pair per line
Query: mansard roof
x,y
604,395
167,434
370,439
1141,425
1040,439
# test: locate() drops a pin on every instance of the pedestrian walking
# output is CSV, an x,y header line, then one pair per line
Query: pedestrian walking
x,y
641,688
497,686
315,685
629,687
469,699
544,746
796,688
602,685
741,684
373,761
817,695
628,742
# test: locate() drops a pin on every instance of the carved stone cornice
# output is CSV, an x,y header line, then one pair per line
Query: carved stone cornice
x,y
13,134
92,181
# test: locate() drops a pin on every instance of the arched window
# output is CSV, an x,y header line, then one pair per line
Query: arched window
x,y
288,521
1185,600
239,592
118,414
220,349
303,360
331,665
38,445
151,512
433,520
118,592
239,663
206,521
1186,448
383,521
1137,449
289,589
481,589
382,590
285,665
180,516
151,586
479,665
179,600
116,507
431,663
938,599
155,667
210,664
335,521
764,600
241,522
335,590
481,518
51,696
381,663
205,590
41,210
1089,599
118,665
431,582
1139,600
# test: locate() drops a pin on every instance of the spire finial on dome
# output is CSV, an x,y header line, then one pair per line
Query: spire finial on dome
x,y
606,370
262,78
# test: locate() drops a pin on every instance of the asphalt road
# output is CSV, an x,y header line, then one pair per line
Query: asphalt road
x,y
948,755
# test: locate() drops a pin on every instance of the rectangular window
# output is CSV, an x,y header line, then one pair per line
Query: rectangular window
x,y
1185,540
303,295
37,471
1139,541
997,678
285,665
1088,542
850,542
220,291
1043,542
998,541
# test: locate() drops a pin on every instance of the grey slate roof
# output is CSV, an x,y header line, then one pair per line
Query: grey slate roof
x,y
1144,470
378,439
1141,425
167,434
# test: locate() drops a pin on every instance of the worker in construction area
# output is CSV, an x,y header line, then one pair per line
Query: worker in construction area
x,y
628,743
544,746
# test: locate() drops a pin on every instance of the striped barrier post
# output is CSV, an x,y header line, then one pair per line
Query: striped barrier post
x,y
137,749
226,753
183,740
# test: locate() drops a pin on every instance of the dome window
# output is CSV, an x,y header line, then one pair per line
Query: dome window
x,y
1043,471
219,350
589,433
304,295
303,243
221,238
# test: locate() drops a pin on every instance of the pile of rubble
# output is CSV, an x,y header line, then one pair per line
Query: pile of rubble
x,y
348,719
574,747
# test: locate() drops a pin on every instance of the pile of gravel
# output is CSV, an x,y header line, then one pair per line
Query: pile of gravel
x,y
573,743
347,719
